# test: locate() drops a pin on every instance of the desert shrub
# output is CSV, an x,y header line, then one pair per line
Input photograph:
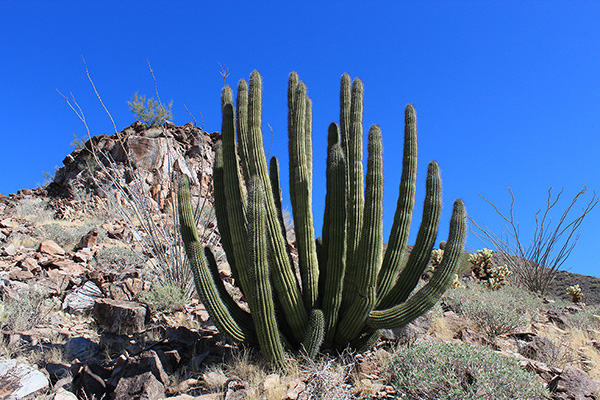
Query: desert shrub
x,y
151,112
460,371
119,258
165,297
586,319
34,209
65,236
495,313
23,312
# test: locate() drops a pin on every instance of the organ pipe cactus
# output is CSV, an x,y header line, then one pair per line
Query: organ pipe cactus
x,y
347,288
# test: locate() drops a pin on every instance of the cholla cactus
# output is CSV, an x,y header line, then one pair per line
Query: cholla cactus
x,y
436,260
455,282
497,277
484,270
575,293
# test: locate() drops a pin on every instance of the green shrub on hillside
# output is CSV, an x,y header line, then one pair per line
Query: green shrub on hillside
x,y
461,372
495,313
151,112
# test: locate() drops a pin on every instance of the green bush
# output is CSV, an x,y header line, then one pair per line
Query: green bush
x,y
460,371
495,313
65,236
151,112
164,297
119,258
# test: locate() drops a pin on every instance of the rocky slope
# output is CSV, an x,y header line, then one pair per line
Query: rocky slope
x,y
79,322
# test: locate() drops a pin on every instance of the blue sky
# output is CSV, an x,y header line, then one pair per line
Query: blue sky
x,y
507,93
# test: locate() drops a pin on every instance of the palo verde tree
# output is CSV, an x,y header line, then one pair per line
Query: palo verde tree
x,y
347,288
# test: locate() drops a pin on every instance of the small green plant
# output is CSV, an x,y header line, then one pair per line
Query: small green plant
x,y
576,293
119,258
461,372
165,297
78,143
151,112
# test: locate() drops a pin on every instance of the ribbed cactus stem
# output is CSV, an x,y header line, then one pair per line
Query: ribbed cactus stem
x,y
220,205
302,199
419,257
355,189
284,280
314,334
333,251
398,240
234,192
370,248
203,279
429,294
260,296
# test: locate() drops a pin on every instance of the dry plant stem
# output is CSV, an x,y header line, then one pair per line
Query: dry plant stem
x,y
535,265
159,237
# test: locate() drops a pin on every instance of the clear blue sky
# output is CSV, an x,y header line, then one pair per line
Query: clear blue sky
x,y
507,93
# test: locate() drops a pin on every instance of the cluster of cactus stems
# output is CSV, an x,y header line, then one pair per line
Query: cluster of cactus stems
x,y
347,288
494,277
576,293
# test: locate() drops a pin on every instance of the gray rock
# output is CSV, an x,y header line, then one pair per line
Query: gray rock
x,y
144,386
540,348
81,348
63,394
574,384
123,317
83,298
18,380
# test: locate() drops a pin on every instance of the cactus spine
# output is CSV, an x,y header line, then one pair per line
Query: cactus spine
x,y
347,289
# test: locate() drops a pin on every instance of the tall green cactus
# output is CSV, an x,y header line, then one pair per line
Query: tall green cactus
x,y
347,288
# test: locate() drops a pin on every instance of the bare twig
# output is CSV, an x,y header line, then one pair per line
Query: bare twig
x,y
535,264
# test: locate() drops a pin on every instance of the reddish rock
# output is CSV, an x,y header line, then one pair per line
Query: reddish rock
x,y
30,264
51,248
89,240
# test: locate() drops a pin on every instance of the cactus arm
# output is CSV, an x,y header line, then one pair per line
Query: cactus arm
x,y
220,204
260,296
242,316
355,198
302,199
403,216
421,253
314,334
242,125
308,141
371,245
284,280
205,285
429,294
276,187
234,192
333,248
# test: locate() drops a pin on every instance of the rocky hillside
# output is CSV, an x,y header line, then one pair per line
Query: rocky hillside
x,y
88,312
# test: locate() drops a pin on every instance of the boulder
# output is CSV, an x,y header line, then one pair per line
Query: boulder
x,y
51,248
18,380
574,384
83,298
122,317
81,348
144,386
